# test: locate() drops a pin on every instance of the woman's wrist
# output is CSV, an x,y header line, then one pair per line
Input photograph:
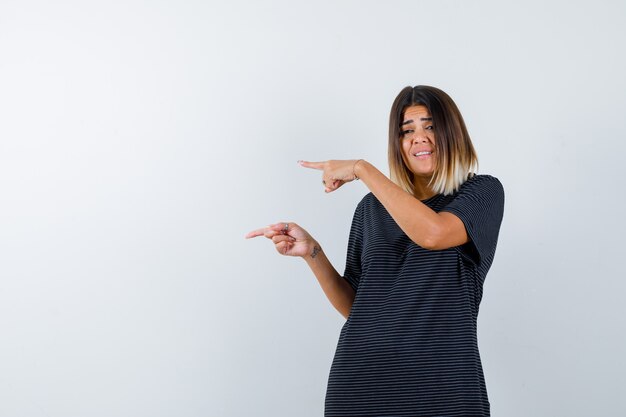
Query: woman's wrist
x,y
358,168
356,176
313,252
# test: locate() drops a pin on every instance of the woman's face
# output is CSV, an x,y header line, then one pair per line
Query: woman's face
x,y
418,140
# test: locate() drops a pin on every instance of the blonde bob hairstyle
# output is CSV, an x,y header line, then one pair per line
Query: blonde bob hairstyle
x,y
455,158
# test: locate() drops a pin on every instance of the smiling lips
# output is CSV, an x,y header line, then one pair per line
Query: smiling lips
x,y
422,154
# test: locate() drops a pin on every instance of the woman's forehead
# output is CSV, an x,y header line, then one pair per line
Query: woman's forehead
x,y
416,113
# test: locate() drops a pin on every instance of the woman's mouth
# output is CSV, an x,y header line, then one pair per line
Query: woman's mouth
x,y
422,155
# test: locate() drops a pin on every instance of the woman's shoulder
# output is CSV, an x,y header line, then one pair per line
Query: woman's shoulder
x,y
367,200
369,203
482,177
481,181
480,187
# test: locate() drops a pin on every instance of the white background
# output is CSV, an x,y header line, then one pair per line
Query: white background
x,y
140,141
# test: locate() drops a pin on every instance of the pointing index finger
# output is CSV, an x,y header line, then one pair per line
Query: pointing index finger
x,y
314,165
255,233
268,231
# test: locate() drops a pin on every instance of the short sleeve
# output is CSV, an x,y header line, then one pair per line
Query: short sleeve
x,y
355,244
479,204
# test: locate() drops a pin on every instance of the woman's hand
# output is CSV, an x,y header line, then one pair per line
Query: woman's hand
x,y
336,172
289,239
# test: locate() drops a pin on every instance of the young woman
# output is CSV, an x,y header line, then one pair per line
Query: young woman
x,y
419,250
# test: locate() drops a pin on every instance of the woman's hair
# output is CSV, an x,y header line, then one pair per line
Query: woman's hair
x,y
455,158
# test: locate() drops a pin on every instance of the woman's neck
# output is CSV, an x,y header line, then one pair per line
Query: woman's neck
x,y
420,188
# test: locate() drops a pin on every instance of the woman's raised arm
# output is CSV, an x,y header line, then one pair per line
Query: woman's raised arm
x,y
424,226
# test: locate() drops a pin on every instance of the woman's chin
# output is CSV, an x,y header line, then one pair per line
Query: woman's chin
x,y
423,173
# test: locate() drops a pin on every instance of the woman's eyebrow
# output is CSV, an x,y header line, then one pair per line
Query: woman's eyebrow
x,y
422,119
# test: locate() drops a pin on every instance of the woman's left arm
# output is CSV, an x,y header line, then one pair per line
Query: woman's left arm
x,y
424,226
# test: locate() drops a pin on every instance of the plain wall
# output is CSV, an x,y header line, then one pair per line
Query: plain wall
x,y
140,141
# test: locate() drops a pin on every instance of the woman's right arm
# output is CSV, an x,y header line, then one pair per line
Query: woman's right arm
x,y
292,240
337,290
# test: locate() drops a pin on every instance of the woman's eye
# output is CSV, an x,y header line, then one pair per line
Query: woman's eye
x,y
404,132
428,128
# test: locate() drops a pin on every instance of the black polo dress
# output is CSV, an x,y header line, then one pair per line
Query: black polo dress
x,y
409,346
